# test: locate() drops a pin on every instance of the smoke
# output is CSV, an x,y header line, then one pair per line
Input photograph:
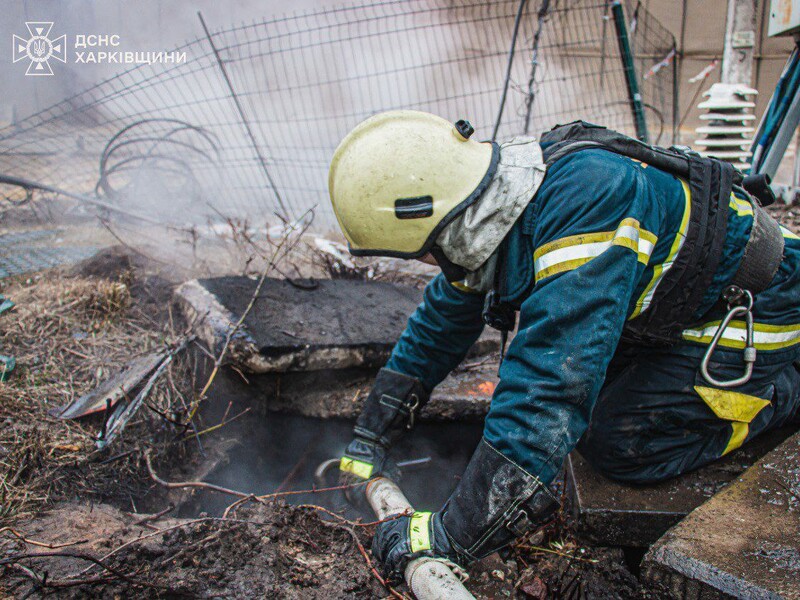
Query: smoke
x,y
142,25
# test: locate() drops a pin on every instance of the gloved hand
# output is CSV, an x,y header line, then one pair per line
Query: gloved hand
x,y
495,502
389,411
400,540
363,460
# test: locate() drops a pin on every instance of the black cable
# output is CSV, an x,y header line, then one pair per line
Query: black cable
x,y
511,51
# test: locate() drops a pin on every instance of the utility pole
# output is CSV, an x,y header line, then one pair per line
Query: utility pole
x,y
728,118
740,42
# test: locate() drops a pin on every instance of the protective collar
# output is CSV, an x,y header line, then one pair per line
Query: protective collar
x,y
473,237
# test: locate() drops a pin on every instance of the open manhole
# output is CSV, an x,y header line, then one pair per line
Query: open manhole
x,y
308,357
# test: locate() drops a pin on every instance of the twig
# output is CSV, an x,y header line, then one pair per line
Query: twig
x,y
156,516
232,331
476,364
370,566
185,484
237,493
556,552
238,503
354,523
222,424
145,537
43,581
15,558
40,544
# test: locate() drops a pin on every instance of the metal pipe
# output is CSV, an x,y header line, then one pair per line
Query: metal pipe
x,y
626,55
34,185
428,578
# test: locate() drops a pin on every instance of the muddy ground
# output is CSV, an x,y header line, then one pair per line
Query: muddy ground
x,y
268,550
76,524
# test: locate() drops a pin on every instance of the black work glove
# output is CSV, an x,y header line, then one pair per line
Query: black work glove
x,y
405,538
361,461
389,411
495,502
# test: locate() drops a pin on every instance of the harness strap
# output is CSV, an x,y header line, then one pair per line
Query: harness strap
x,y
762,254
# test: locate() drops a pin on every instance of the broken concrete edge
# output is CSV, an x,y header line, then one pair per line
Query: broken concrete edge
x,y
211,321
695,576
718,550
609,512
607,526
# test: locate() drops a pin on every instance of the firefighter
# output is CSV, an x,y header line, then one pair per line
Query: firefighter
x,y
659,312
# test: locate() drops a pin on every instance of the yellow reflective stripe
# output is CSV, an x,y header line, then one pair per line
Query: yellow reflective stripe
x,y
419,532
736,407
731,406
573,251
765,336
643,303
788,234
742,207
740,431
463,287
356,467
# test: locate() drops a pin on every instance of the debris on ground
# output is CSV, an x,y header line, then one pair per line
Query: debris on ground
x,y
73,331
5,304
69,332
268,550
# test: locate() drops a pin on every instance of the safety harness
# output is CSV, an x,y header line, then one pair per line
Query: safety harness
x,y
681,292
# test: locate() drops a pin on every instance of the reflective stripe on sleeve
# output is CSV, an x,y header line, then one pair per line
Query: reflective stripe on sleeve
x,y
419,532
358,468
574,251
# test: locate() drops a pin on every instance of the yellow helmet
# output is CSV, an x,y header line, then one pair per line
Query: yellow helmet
x,y
401,176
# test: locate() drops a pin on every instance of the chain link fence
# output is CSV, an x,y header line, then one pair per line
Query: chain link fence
x,y
245,128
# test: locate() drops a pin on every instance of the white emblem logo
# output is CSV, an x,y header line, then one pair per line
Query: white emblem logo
x,y
39,48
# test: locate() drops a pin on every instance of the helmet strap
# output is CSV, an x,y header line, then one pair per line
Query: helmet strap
x,y
452,272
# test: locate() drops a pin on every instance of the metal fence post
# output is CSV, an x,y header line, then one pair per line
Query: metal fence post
x,y
635,97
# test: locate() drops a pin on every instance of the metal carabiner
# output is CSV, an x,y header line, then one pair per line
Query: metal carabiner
x,y
749,348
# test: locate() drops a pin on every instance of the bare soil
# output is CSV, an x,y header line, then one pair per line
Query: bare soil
x,y
270,550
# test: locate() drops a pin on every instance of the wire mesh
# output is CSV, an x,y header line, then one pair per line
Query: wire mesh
x,y
174,140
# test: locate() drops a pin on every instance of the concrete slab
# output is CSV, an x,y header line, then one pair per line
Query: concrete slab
x,y
615,514
336,324
340,393
744,542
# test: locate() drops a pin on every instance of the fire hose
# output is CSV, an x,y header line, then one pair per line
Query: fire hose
x,y
428,578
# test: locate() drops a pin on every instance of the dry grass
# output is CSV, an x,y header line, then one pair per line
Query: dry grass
x,y
68,334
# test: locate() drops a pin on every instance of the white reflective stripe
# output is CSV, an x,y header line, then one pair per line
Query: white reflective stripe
x,y
646,247
742,207
788,234
765,337
571,252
